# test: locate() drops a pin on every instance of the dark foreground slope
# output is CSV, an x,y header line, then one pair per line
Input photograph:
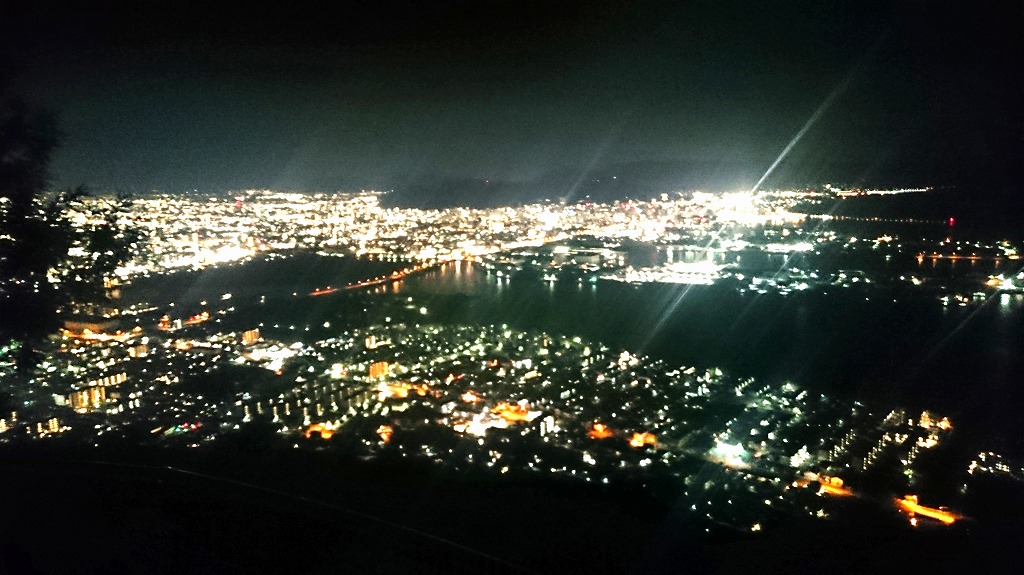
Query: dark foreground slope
x,y
300,512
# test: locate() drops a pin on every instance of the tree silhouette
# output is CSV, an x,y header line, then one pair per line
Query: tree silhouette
x,y
31,242
38,276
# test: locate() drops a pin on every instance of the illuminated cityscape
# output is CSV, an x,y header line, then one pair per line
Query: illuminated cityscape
x,y
743,453
511,287
702,232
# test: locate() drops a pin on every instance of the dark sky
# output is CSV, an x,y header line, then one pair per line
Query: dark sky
x,y
176,95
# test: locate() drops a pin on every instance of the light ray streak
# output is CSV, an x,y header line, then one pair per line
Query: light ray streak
x,y
835,93
664,316
825,105
952,333
807,126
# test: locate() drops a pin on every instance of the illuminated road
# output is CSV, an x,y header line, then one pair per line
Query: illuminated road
x,y
910,506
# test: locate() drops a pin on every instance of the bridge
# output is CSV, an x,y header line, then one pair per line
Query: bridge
x,y
397,275
973,257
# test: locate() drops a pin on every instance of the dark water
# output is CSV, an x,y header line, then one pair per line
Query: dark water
x,y
275,278
869,345
978,211
967,362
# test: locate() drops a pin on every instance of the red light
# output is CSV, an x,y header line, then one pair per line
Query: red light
x,y
952,221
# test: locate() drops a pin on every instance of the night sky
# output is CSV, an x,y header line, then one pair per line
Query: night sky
x,y
545,96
